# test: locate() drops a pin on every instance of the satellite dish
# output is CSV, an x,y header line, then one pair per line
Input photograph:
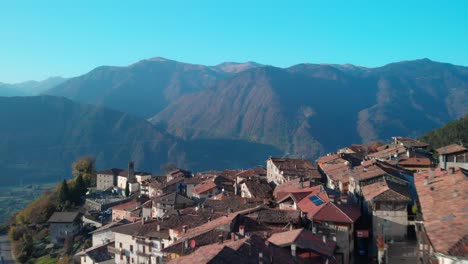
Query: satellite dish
x,y
192,243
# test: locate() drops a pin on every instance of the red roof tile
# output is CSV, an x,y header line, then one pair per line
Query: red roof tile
x,y
454,148
443,198
424,162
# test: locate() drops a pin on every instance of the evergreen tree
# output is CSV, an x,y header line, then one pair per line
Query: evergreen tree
x,y
64,193
127,190
79,188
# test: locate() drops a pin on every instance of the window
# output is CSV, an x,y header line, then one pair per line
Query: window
x,y
133,260
84,259
120,244
131,249
121,257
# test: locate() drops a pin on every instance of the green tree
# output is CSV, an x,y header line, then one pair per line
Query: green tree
x,y
85,166
79,189
127,190
64,193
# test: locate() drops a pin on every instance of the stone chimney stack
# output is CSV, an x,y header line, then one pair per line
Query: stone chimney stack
x,y
293,250
131,172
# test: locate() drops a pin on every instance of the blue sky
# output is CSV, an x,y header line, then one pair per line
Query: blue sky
x,y
39,39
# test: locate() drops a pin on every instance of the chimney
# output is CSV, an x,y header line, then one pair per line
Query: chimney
x,y
184,229
324,238
143,220
229,210
293,250
158,228
242,230
233,236
260,257
221,239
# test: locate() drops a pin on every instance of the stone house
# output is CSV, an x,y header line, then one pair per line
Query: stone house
x,y
106,179
63,225
281,170
453,156
387,202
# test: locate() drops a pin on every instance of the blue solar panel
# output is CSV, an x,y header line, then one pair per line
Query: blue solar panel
x,y
316,200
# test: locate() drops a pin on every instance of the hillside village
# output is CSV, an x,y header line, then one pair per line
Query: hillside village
x,y
392,203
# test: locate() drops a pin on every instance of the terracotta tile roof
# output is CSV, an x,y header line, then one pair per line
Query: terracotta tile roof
x,y
454,148
328,158
418,162
278,216
64,217
205,253
128,205
288,187
111,225
259,188
255,245
386,191
148,230
100,253
173,199
340,213
296,168
204,187
297,194
410,143
179,173
359,148
444,209
389,152
338,172
304,239
284,239
224,201
209,226
361,173
328,211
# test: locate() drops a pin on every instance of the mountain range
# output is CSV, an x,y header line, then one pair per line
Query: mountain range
x,y
226,116
29,88
311,109
146,87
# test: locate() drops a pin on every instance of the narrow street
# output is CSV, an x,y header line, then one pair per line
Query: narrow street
x,y
5,251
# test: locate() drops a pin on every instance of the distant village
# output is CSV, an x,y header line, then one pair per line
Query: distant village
x,y
392,203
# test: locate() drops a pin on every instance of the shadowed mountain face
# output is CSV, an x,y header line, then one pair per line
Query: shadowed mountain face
x,y
144,88
41,136
312,109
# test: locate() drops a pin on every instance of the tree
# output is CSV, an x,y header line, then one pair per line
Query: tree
x,y
64,193
127,190
79,188
85,166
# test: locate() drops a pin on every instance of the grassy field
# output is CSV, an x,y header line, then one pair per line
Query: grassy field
x,y
15,198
